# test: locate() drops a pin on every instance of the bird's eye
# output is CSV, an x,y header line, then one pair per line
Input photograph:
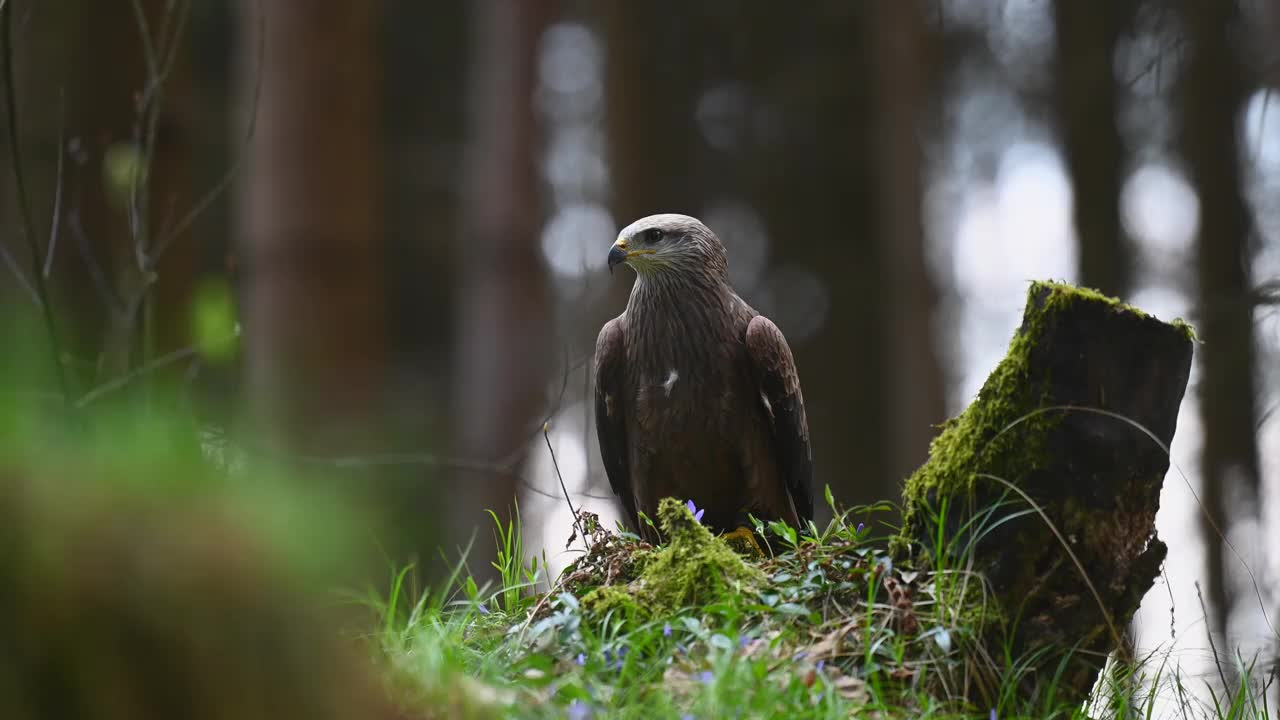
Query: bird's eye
x,y
653,235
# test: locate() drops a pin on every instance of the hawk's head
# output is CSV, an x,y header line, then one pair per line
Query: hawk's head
x,y
668,245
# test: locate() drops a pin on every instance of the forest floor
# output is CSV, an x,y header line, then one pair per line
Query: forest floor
x,y
824,625
134,558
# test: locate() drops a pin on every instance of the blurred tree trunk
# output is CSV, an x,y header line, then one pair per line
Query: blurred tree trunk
x,y
504,315
425,117
1087,107
425,121
1213,91
915,398
310,227
652,96
812,178
651,86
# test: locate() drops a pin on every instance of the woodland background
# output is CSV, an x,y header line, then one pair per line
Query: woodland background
x,y
405,209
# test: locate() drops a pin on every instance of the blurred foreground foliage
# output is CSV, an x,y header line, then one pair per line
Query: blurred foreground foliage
x,y
141,577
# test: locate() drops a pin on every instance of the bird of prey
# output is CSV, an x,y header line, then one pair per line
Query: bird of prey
x,y
697,395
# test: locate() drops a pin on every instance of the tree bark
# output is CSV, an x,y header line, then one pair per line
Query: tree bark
x,y
310,232
1213,91
503,293
1062,423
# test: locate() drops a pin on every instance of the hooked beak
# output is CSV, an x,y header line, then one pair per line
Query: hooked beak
x,y
617,254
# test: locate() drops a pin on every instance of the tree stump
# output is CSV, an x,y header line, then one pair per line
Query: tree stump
x,y
1048,484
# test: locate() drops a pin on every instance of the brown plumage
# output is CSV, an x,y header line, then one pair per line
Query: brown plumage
x,y
697,395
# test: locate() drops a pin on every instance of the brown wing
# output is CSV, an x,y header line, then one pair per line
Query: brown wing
x,y
775,373
611,426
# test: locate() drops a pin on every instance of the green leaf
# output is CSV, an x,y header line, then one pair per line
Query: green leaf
x,y
215,328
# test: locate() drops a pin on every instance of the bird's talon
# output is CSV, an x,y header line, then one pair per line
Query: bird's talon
x,y
743,541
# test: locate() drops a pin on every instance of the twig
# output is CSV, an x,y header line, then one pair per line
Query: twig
x,y
57,187
577,524
101,282
12,263
119,382
1208,633
28,228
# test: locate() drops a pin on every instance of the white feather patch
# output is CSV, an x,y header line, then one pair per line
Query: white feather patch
x,y
671,381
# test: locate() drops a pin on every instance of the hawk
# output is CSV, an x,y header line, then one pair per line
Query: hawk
x,y
696,394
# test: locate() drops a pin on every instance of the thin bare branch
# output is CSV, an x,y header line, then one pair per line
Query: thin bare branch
x,y
24,207
54,221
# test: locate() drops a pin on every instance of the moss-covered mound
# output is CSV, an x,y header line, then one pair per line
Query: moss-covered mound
x,y
694,568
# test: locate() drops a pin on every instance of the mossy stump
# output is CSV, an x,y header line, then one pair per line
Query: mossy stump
x,y
1063,421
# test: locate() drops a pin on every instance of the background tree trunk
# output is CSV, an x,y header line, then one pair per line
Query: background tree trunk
x,y
903,88
813,82
1087,108
652,80
310,230
1213,92
504,316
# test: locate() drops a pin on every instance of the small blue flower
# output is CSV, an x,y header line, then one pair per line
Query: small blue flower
x,y
579,710
483,610
994,715
861,527
821,664
707,677
687,716
666,630
582,659
744,641
697,512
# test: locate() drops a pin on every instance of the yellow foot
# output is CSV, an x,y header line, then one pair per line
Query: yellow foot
x,y
743,541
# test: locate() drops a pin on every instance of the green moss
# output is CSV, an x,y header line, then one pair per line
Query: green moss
x,y
693,569
1187,329
1001,433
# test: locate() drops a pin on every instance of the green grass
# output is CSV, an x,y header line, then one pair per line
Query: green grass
x,y
836,630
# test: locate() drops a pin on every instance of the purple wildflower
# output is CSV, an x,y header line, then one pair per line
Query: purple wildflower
x,y
707,677
821,664
697,512
579,710
483,610
666,630
994,715
744,641
582,659
861,526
